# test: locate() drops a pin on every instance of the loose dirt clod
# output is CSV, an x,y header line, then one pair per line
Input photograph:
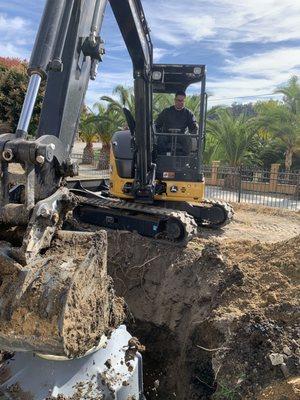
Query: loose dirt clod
x,y
211,315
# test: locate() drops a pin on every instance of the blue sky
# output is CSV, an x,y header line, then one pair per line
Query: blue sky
x,y
249,47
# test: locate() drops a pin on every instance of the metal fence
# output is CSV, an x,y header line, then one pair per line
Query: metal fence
x,y
96,168
271,188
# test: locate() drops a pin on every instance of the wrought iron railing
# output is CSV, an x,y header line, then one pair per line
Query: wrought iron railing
x,y
271,187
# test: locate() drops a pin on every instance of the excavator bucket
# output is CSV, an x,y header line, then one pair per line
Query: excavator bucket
x,y
60,303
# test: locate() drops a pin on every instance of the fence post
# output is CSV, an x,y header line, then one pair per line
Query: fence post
x,y
274,177
240,175
214,172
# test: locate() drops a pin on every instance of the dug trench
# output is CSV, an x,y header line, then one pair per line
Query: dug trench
x,y
219,319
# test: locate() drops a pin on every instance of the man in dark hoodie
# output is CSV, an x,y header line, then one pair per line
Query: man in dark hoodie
x,y
176,119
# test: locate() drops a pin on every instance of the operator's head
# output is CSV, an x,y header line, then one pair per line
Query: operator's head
x,y
180,99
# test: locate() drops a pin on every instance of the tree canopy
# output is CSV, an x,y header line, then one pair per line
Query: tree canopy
x,y
13,85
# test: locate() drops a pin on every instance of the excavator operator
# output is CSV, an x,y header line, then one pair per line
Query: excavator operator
x,y
176,119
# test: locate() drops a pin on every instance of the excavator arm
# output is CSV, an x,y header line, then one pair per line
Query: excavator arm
x,y
133,25
56,299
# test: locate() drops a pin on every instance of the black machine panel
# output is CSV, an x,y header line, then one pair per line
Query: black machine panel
x,y
123,153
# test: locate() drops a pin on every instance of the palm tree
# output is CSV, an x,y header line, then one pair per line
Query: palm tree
x,y
234,137
291,137
211,150
125,98
282,120
88,133
234,140
291,94
193,103
160,102
106,120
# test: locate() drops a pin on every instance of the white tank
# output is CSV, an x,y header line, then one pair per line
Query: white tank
x,y
106,373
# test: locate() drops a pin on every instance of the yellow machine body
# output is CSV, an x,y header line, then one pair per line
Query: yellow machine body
x,y
191,192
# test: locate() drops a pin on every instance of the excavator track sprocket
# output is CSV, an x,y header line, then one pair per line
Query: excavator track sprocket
x,y
220,214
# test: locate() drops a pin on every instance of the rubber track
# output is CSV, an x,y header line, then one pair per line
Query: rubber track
x,y
227,210
186,220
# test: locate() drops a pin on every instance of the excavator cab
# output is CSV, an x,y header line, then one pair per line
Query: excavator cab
x,y
164,169
178,153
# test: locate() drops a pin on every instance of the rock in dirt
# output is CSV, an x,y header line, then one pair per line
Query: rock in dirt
x,y
276,359
210,315
63,302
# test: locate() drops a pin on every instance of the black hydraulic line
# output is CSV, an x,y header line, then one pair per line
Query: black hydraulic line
x,y
56,63
141,130
132,23
46,38
65,91
205,120
149,124
201,132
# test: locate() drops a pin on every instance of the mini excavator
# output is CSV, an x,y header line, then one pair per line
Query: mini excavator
x,y
154,190
58,311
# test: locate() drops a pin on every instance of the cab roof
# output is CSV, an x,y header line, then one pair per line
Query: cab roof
x,y
169,78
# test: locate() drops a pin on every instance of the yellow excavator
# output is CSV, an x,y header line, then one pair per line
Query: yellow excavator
x,y
157,184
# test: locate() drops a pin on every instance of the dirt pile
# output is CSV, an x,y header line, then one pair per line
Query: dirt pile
x,y
63,302
220,319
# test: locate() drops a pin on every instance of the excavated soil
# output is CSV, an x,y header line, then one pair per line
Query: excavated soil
x,y
219,319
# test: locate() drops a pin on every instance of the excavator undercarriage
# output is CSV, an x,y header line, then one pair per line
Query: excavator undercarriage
x,y
171,222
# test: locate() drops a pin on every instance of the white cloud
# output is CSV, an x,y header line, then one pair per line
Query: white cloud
x,y
9,50
266,21
16,35
236,87
255,75
11,24
240,89
273,64
159,53
175,22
